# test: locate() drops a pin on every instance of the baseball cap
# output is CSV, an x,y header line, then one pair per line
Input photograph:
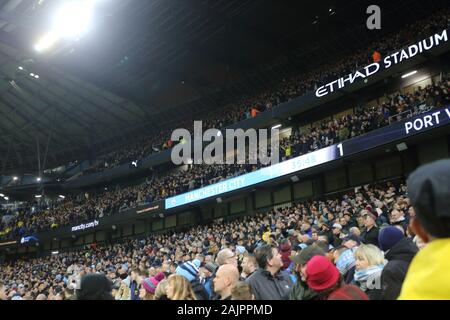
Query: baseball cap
x,y
306,254
337,226
429,191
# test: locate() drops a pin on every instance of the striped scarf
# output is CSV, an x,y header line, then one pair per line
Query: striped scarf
x,y
368,276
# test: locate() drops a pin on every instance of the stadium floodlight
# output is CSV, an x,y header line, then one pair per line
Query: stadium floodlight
x,y
46,42
406,75
38,179
276,126
15,178
73,19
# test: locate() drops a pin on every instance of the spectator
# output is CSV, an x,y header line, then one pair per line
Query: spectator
x,y
429,191
268,282
285,250
95,286
249,266
135,284
189,270
351,241
3,295
397,218
149,285
42,296
160,292
124,292
324,278
207,279
242,291
369,265
337,241
399,252
344,258
226,278
300,290
179,288
370,233
226,256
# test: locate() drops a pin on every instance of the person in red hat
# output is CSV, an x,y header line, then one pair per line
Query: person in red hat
x,y
324,278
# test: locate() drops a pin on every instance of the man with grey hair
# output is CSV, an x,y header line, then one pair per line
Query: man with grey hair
x,y
226,256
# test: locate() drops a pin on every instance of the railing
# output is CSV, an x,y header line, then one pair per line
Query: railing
x,y
422,108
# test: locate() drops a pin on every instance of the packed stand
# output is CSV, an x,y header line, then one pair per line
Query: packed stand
x,y
82,208
356,246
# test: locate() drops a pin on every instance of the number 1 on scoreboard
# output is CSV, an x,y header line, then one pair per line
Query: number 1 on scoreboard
x,y
341,149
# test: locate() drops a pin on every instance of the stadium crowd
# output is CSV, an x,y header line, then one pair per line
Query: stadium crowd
x,y
34,217
285,91
357,246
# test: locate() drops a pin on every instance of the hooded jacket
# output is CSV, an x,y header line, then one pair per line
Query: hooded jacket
x,y
394,273
428,277
266,286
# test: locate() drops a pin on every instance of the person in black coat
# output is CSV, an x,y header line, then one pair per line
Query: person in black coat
x,y
399,251
370,232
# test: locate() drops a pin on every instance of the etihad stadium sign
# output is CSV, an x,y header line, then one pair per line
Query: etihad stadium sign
x,y
388,61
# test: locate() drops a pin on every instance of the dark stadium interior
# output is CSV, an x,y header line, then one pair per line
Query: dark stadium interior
x,y
89,188
205,54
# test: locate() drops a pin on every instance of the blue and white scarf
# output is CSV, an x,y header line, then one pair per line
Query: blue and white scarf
x,y
346,261
370,275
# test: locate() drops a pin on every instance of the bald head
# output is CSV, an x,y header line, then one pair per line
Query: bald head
x,y
226,278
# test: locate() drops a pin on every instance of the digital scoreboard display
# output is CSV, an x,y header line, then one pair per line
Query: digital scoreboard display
x,y
397,131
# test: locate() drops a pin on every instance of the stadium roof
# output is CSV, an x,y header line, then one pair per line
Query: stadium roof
x,y
145,63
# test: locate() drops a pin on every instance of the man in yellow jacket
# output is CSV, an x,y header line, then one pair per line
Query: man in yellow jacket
x,y
428,276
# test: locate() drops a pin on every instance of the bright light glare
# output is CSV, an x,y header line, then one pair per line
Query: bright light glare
x,y
6,198
46,42
276,126
36,76
2,195
38,179
15,178
20,68
73,19
409,74
61,196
